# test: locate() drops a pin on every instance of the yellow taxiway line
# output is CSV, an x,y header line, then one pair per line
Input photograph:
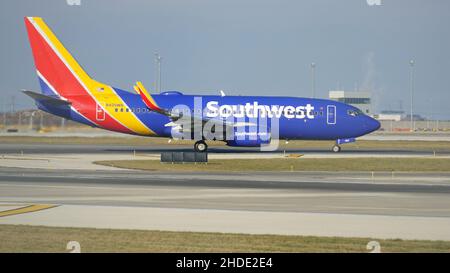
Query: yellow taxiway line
x,y
26,209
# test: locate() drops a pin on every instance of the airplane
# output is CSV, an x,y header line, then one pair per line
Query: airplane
x,y
69,92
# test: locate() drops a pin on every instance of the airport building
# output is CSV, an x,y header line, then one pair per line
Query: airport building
x,y
361,100
390,115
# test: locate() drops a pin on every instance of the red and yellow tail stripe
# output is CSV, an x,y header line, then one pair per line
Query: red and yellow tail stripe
x,y
71,82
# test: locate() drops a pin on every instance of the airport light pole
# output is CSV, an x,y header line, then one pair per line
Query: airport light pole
x,y
4,115
31,120
158,72
41,121
13,104
313,80
411,78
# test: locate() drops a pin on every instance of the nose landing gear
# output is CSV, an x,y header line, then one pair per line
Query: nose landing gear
x,y
336,148
200,146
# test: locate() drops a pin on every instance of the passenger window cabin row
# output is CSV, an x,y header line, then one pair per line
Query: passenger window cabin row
x,y
146,110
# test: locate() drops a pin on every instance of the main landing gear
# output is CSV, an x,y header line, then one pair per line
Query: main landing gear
x,y
200,146
336,148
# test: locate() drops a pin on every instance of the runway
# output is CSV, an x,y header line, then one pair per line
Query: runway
x,y
293,192
351,204
35,149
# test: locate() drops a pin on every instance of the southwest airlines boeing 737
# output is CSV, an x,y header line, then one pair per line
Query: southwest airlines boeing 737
x,y
242,121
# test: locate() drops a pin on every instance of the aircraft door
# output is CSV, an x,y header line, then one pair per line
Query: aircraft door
x,y
331,114
100,112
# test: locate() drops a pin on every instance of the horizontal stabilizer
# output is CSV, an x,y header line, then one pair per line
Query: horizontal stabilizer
x,y
46,99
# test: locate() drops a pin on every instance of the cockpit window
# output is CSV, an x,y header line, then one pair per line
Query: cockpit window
x,y
354,113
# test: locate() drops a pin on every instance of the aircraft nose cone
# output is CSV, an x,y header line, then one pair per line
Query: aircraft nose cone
x,y
372,124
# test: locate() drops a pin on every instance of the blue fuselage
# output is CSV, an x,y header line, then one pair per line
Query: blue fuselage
x,y
329,120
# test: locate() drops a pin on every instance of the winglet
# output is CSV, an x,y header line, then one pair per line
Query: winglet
x,y
146,97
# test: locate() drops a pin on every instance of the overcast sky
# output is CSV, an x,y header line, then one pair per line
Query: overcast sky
x,y
245,47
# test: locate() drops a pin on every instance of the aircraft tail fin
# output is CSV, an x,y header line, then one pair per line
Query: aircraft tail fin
x,y
59,73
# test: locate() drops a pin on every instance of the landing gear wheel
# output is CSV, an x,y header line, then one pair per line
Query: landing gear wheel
x,y
200,146
336,148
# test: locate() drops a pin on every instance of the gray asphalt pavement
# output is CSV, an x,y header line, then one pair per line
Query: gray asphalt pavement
x,y
293,192
8,148
362,204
